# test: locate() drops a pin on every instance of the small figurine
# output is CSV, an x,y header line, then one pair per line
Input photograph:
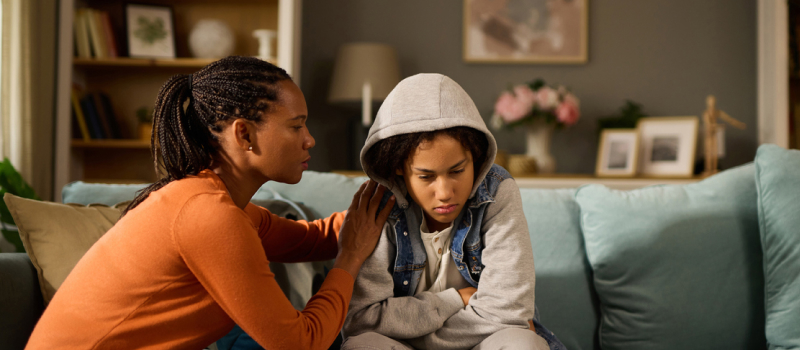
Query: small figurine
x,y
710,130
265,37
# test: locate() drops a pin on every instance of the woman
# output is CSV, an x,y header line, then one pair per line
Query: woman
x,y
190,255
454,266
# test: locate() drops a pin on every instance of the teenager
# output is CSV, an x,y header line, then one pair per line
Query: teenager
x,y
453,268
190,255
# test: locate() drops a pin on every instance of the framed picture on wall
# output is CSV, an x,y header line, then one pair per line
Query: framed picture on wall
x,y
150,31
526,31
617,154
667,146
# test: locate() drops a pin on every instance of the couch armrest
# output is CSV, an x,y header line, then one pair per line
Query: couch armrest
x,y
21,302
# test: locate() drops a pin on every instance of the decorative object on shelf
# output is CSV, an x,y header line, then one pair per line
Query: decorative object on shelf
x,y
629,115
541,109
520,165
617,154
12,182
211,38
150,29
501,158
553,31
667,146
145,117
265,37
714,134
366,73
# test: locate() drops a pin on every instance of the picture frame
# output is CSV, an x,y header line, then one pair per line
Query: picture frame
x,y
668,146
618,153
150,30
526,31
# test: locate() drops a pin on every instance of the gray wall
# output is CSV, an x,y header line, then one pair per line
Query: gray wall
x,y
665,54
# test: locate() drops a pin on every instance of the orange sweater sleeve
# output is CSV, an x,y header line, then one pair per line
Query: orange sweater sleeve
x,y
227,257
288,241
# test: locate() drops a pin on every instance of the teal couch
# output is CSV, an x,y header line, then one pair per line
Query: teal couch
x,y
656,268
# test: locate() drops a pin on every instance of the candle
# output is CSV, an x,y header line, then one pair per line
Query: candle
x,y
366,104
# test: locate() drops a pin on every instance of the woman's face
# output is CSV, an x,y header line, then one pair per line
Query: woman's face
x,y
283,140
439,176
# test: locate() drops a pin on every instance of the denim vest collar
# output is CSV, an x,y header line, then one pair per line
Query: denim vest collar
x,y
466,246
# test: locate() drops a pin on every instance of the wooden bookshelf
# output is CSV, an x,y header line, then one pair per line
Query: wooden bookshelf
x,y
133,83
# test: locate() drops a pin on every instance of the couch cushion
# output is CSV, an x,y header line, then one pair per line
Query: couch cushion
x,y
56,235
778,181
677,267
564,293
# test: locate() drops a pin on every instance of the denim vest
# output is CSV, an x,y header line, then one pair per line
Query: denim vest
x,y
466,247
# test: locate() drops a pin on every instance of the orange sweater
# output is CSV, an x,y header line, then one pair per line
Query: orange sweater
x,y
181,268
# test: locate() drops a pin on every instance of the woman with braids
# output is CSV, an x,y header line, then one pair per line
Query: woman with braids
x,y
189,257
454,266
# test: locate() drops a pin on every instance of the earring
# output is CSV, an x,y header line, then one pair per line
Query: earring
x,y
250,148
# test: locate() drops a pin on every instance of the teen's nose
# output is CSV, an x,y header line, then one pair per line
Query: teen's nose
x,y
443,190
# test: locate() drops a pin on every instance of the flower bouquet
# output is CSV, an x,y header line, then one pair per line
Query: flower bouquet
x,y
541,109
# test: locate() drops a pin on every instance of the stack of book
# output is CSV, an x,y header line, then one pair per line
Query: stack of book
x,y
94,35
94,117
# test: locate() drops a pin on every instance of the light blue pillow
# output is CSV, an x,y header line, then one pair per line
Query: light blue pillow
x,y
564,293
677,267
778,182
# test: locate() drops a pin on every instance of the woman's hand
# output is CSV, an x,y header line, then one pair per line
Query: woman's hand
x,y
466,293
362,227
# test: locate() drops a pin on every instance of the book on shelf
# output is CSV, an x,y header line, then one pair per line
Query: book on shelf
x,y
77,112
95,128
117,125
94,34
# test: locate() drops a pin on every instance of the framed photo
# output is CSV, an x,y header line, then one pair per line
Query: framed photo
x,y
617,154
668,146
150,31
526,31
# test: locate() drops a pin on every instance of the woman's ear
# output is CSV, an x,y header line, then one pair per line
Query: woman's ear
x,y
243,133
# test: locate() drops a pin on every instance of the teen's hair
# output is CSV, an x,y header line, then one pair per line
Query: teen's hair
x,y
183,141
387,156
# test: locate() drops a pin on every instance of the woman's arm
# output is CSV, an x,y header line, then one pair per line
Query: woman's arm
x,y
505,296
296,241
375,309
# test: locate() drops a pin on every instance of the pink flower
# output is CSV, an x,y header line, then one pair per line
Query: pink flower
x,y
547,98
525,96
509,108
567,112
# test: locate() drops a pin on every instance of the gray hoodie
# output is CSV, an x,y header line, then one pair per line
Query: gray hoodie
x,y
505,296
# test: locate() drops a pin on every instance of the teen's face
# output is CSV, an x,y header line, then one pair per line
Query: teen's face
x,y
439,176
283,138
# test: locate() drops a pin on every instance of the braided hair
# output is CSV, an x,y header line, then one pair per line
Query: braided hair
x,y
182,143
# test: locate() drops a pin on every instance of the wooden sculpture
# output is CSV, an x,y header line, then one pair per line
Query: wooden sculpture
x,y
710,131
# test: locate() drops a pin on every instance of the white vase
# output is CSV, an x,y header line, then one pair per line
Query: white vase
x,y
211,38
538,137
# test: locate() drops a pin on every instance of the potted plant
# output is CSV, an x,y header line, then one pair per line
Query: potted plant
x,y
540,109
145,117
11,182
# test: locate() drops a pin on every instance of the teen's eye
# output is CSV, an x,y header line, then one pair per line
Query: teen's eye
x,y
459,171
425,177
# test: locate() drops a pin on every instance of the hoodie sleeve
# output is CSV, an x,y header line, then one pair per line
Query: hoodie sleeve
x,y
374,308
505,296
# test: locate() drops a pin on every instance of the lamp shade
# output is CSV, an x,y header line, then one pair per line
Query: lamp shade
x,y
360,63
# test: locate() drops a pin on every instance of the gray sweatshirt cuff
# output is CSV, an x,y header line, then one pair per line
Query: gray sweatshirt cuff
x,y
452,302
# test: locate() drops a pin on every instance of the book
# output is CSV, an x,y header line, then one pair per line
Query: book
x,y
82,47
94,99
95,35
78,112
117,125
92,120
111,41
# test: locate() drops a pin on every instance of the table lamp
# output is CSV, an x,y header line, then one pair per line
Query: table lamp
x,y
365,72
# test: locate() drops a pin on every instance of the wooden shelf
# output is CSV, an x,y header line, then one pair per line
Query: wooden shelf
x,y
143,62
116,144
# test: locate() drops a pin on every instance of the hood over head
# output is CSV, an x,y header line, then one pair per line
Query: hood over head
x,y
422,103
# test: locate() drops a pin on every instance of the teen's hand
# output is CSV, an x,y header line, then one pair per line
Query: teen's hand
x,y
466,293
362,227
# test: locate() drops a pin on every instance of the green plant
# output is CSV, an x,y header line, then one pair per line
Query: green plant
x,y
144,115
11,182
629,114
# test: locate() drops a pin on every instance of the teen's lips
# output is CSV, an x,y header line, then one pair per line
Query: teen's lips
x,y
305,163
445,209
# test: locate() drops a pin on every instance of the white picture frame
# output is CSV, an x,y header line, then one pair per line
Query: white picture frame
x,y
668,146
150,31
618,153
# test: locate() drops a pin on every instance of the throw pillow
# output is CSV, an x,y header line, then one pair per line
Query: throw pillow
x,y
778,182
677,267
57,235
